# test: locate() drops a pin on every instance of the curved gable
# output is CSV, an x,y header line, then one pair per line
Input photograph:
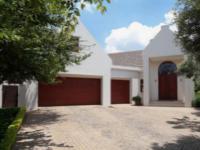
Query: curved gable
x,y
164,44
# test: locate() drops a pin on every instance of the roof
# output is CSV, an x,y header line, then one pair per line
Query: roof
x,y
131,58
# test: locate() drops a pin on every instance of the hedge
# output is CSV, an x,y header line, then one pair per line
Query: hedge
x,y
7,115
11,132
196,101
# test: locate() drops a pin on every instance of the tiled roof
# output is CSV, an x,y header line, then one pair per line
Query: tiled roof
x,y
131,58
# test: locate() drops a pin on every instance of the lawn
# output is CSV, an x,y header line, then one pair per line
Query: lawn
x,y
7,116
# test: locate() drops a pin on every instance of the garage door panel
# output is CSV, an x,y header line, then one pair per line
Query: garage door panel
x,y
71,91
120,91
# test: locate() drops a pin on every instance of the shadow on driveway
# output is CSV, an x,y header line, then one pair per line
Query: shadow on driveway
x,y
28,140
37,138
41,117
183,143
186,122
191,142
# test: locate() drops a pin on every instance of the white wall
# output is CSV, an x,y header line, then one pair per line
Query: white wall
x,y
189,94
180,89
146,76
106,91
28,95
135,87
153,81
124,74
98,64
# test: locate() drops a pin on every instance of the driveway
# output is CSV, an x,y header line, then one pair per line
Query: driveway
x,y
121,127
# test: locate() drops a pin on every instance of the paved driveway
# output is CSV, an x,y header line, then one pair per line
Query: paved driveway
x,y
121,127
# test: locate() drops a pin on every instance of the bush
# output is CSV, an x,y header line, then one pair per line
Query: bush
x,y
196,102
11,132
137,100
6,118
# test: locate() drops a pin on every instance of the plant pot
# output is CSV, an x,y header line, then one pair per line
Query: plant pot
x,y
137,100
138,103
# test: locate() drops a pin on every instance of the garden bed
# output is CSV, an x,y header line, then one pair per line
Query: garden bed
x,y
10,122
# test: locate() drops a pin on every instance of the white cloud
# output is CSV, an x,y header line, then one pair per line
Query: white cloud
x,y
135,36
169,17
90,8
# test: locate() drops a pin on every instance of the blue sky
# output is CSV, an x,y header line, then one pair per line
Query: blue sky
x,y
126,16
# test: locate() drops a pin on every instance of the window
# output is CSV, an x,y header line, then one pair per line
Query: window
x,y
167,68
141,85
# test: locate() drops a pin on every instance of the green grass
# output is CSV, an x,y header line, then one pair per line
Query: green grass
x,y
11,120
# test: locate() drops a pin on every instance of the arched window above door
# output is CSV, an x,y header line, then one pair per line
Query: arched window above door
x,y
167,68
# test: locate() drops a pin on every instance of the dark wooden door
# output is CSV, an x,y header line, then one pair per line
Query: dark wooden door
x,y
10,96
120,91
168,87
71,91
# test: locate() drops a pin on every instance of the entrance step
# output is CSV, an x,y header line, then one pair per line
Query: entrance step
x,y
167,103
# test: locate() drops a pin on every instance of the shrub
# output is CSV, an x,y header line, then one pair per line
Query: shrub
x,y
137,100
11,132
6,117
196,102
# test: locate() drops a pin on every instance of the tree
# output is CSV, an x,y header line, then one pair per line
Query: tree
x,y
190,68
36,39
188,35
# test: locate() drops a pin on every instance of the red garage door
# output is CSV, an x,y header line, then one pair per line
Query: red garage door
x,y
10,96
71,91
120,91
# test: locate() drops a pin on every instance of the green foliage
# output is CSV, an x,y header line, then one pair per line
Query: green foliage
x,y
36,38
188,35
11,132
188,23
198,94
6,118
196,101
137,100
190,69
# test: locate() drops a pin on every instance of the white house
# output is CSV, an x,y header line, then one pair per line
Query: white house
x,y
104,79
161,83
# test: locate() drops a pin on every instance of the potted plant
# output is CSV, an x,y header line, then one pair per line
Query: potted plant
x,y
137,100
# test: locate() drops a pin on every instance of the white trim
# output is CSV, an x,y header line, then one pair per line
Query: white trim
x,y
127,68
66,74
120,78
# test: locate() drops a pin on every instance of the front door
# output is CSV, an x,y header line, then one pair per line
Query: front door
x,y
167,81
10,96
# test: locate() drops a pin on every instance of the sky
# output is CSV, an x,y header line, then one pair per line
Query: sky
x,y
128,24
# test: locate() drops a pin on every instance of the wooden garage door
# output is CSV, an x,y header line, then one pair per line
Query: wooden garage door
x,y
71,91
10,96
120,91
